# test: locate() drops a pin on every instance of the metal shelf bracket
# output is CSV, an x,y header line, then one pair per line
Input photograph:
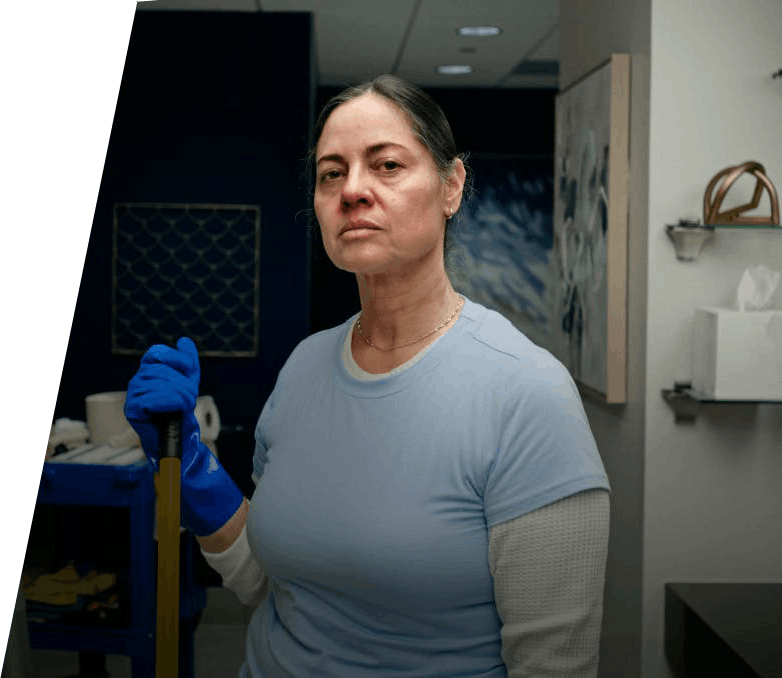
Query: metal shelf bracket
x,y
684,406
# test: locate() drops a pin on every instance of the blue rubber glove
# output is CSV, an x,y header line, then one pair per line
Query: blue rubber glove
x,y
167,381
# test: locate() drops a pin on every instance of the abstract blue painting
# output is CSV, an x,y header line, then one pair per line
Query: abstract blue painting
x,y
588,267
499,247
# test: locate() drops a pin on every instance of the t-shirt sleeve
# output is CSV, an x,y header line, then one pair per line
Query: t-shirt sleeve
x,y
546,449
261,440
263,426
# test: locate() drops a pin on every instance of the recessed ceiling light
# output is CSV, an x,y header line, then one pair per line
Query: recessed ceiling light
x,y
454,69
479,31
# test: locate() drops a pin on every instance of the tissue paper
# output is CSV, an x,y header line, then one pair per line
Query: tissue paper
x,y
756,288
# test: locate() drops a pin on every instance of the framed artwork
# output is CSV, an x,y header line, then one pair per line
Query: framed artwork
x,y
587,277
499,247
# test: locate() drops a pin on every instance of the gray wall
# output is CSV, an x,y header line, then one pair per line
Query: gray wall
x,y
713,507
590,32
699,502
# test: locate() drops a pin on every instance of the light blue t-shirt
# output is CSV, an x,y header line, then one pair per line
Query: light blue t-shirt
x,y
375,497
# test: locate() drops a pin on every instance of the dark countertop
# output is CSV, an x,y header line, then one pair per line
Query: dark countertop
x,y
724,629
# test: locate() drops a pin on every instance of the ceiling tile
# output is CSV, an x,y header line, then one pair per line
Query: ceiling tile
x,y
355,41
434,41
549,49
200,5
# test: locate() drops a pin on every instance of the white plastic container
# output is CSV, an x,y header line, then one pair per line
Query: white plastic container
x,y
737,355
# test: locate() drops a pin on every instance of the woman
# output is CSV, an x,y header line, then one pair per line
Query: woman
x,y
429,498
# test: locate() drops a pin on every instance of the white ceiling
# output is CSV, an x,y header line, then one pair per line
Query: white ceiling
x,y
359,39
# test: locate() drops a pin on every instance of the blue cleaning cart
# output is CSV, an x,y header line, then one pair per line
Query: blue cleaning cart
x,y
128,487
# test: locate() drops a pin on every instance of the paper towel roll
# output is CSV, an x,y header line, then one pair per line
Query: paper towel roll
x,y
208,418
106,416
128,438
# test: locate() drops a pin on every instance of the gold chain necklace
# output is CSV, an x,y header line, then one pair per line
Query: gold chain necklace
x,y
393,348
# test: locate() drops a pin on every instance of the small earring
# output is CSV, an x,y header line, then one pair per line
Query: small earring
x,y
450,212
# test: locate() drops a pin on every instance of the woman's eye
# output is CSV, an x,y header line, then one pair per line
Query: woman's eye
x,y
390,165
330,175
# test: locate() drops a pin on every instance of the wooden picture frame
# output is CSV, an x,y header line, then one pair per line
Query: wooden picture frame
x,y
588,266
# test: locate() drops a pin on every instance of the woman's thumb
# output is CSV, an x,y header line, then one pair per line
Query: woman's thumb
x,y
188,347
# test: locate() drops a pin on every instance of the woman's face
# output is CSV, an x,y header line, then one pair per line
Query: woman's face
x,y
379,200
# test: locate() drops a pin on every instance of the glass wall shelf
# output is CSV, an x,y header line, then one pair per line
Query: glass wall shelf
x,y
686,402
747,226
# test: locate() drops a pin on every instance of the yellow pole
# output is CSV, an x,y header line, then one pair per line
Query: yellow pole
x,y
168,521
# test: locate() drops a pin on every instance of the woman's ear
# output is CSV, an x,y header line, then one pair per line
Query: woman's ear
x,y
454,185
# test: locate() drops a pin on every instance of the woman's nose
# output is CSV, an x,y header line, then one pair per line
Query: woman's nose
x,y
355,188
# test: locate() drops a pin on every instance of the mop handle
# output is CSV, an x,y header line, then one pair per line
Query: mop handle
x,y
168,521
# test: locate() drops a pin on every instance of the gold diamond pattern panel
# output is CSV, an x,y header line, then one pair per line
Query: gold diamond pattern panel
x,y
186,270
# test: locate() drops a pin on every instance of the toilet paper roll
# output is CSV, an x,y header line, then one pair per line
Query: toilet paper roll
x,y
208,418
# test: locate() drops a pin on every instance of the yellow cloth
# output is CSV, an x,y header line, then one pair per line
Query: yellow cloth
x,y
64,586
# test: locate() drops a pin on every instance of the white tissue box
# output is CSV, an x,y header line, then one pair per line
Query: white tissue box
x,y
737,355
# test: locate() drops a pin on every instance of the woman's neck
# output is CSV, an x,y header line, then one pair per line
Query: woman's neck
x,y
395,313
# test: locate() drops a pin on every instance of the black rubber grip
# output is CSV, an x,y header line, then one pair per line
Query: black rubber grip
x,y
170,429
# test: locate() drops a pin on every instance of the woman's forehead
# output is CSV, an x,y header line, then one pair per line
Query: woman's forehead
x,y
369,118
